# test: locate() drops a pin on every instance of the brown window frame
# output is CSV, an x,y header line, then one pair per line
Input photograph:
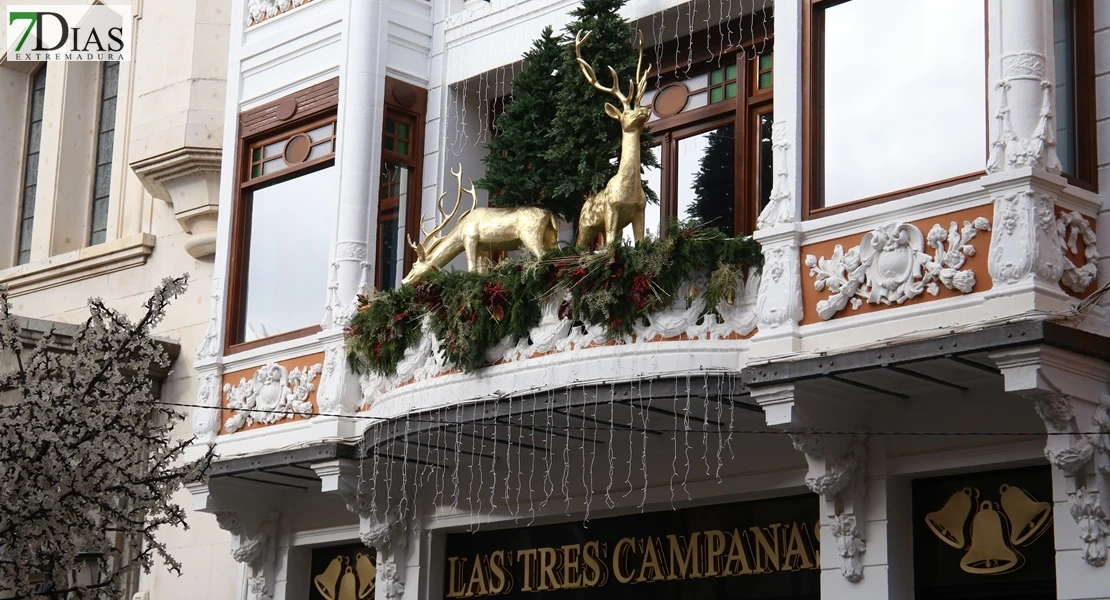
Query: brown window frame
x,y
813,130
1086,118
406,103
740,112
298,112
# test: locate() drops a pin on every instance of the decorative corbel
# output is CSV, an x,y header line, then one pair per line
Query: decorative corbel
x,y
836,474
1082,455
189,179
256,548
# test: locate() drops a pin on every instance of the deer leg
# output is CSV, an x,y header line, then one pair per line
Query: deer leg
x,y
612,232
472,257
638,225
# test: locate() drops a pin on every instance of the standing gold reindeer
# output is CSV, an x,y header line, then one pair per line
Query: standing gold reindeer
x,y
622,200
479,231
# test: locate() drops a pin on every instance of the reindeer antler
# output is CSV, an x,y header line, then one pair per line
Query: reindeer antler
x,y
637,86
432,238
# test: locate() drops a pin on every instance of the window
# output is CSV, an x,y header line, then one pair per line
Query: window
x,y
285,218
713,127
1073,39
889,85
31,164
106,133
399,185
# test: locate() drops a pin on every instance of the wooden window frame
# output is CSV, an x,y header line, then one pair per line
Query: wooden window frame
x,y
407,103
1086,118
298,112
740,112
812,170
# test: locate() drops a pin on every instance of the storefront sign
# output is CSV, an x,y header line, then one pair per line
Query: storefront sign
x,y
989,529
769,545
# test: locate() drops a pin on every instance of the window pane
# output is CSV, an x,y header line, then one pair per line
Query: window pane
x,y
716,95
654,178
31,164
1064,39
292,224
903,80
765,80
707,178
392,199
766,159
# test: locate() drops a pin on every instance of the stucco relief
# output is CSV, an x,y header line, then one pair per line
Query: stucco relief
x,y
260,10
780,290
210,346
780,208
272,394
735,316
256,548
892,265
1031,239
206,416
1009,150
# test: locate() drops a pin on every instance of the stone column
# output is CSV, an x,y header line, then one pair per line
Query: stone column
x,y
780,289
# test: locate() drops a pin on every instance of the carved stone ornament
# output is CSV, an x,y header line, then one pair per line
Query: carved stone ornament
x,y
780,208
274,393
189,179
206,420
736,316
780,290
210,346
891,265
260,10
1030,239
254,548
836,474
1070,227
1082,454
1009,150
329,398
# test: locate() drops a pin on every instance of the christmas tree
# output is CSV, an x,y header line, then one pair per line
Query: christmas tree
x,y
583,141
518,172
715,182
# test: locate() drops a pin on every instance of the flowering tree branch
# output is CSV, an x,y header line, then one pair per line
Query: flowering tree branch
x,y
86,454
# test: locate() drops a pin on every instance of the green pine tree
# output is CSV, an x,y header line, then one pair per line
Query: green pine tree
x,y
517,170
715,182
583,141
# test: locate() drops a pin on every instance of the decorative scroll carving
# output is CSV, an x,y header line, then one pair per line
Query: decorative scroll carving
x,y
836,468
780,291
210,346
780,208
556,333
206,420
1008,150
1081,457
274,393
891,266
1071,227
255,548
260,10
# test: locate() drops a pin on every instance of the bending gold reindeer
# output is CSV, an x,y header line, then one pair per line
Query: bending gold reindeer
x,y
479,231
622,200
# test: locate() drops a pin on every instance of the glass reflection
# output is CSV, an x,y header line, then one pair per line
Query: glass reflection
x,y
654,178
766,159
904,95
291,230
707,178
392,197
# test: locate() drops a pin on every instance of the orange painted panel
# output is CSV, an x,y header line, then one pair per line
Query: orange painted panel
x,y
977,263
235,377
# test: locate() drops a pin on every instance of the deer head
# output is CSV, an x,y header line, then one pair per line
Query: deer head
x,y
631,115
425,251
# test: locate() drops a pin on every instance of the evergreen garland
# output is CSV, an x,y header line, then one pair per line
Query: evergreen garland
x,y
615,288
517,170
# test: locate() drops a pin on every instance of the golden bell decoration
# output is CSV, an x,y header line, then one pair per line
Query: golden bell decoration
x,y
989,553
326,581
347,585
1028,517
948,522
364,566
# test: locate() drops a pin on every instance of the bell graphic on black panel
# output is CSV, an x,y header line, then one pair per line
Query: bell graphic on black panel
x,y
989,554
1028,518
948,522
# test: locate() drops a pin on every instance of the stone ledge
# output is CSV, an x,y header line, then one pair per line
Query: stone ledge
x,y
86,263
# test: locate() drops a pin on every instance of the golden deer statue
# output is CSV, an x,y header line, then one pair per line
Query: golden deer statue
x,y
480,231
622,200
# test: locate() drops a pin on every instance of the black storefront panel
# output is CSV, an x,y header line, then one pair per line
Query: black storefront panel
x,y
767,549
984,535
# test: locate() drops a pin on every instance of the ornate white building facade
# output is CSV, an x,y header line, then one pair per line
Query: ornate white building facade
x,y
909,399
